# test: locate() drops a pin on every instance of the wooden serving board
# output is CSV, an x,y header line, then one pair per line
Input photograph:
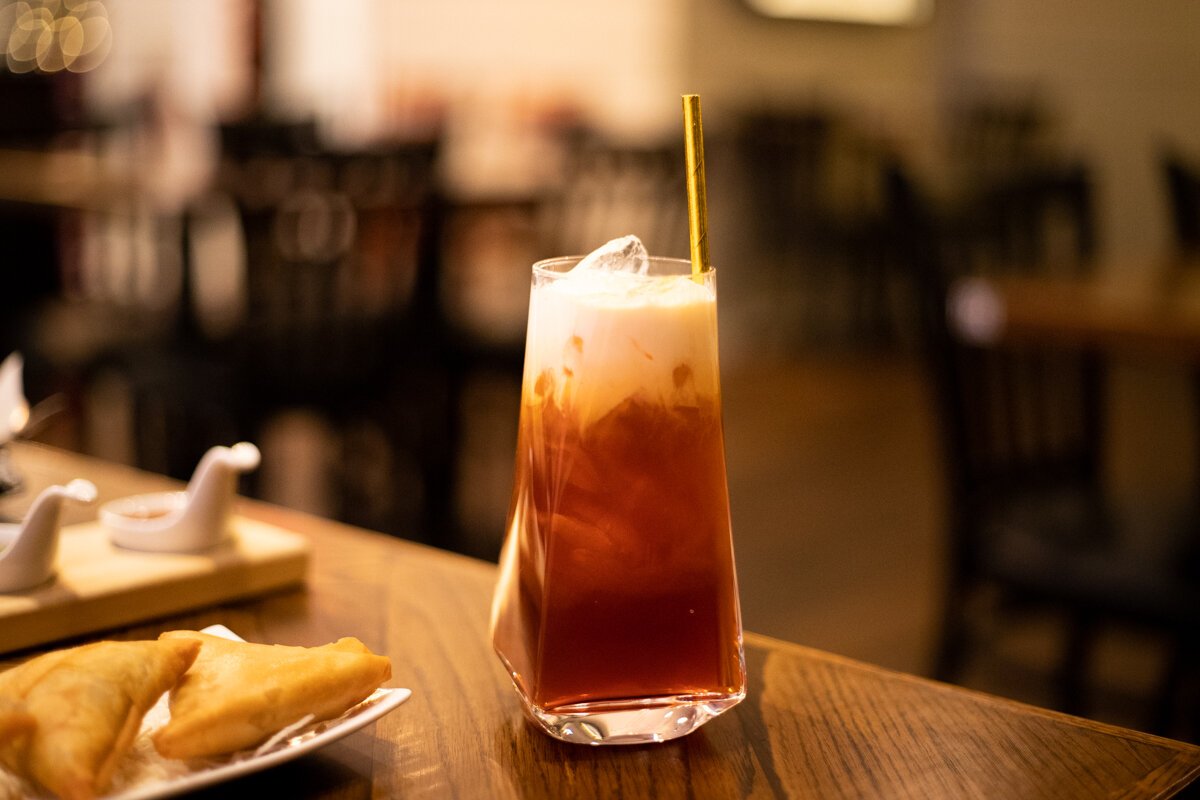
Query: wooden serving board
x,y
101,586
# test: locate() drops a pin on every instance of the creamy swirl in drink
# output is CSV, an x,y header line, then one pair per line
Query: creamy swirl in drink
x,y
598,339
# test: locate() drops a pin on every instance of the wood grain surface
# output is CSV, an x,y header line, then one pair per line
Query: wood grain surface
x,y
100,586
814,725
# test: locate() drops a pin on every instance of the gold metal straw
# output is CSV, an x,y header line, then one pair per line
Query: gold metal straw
x,y
697,193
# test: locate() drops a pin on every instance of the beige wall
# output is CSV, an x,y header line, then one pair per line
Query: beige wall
x,y
887,76
1126,77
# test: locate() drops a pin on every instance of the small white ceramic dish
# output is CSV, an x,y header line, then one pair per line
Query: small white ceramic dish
x,y
183,522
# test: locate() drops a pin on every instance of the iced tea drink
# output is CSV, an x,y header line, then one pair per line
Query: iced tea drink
x,y
616,613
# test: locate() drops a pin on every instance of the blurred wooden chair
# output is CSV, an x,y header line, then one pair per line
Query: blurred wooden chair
x,y
611,189
815,182
1182,180
786,159
343,317
995,134
1023,435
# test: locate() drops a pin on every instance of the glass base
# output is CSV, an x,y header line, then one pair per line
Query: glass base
x,y
657,719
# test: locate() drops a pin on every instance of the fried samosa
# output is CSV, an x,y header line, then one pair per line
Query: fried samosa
x,y
238,694
88,703
15,722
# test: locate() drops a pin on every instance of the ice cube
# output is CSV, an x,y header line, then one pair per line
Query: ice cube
x,y
626,254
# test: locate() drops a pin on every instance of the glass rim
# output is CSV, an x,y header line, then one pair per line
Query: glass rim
x,y
551,267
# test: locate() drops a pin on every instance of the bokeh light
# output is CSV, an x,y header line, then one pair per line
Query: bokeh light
x,y
54,35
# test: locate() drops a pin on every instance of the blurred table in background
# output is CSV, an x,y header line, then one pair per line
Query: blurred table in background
x,y
1161,316
68,179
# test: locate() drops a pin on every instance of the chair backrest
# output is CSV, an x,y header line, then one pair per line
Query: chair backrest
x,y
337,256
611,190
1025,418
1183,194
994,137
786,159
815,180
1014,419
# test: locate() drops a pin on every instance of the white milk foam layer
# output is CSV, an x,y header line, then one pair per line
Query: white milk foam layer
x,y
603,336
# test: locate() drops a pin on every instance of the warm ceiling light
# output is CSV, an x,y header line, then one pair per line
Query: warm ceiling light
x,y
871,12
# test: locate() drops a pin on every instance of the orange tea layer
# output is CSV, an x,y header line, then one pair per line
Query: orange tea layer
x,y
617,578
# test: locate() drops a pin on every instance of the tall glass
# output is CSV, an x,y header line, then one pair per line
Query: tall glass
x,y
616,613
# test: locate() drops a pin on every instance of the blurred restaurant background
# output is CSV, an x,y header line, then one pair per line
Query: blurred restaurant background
x,y
309,224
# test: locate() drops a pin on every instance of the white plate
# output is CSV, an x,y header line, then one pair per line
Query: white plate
x,y
304,740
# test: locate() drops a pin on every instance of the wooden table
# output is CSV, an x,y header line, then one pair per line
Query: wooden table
x,y
813,725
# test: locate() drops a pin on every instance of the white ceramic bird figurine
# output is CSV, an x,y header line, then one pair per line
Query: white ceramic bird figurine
x,y
28,548
188,521
14,408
